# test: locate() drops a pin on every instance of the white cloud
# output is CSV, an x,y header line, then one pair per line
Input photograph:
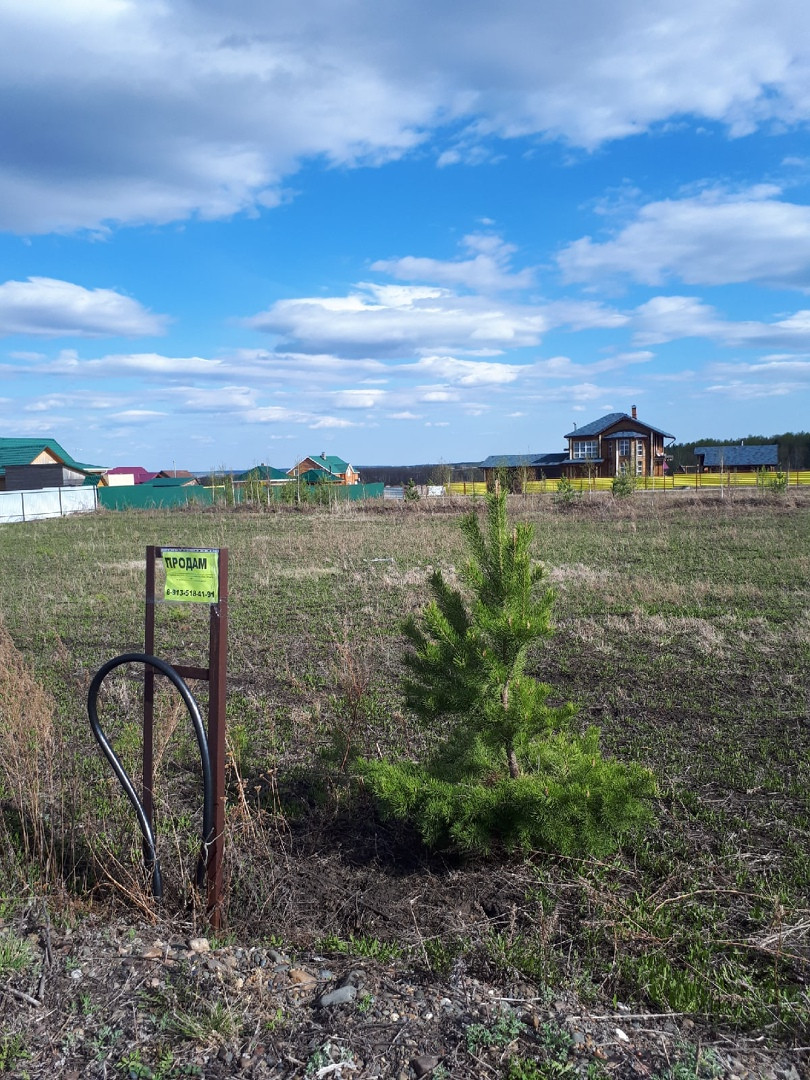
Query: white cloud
x,y
47,307
467,372
217,399
138,414
769,378
669,318
563,367
331,422
437,395
358,399
714,238
399,321
487,271
153,365
737,390
583,315
158,110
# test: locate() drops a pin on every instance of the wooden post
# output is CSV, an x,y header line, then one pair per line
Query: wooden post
x,y
218,650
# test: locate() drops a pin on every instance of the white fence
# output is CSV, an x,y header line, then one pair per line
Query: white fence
x,y
46,503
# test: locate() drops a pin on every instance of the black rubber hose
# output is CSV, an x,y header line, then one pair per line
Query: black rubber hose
x,y
152,862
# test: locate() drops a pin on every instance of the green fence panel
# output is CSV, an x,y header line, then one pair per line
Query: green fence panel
x,y
144,497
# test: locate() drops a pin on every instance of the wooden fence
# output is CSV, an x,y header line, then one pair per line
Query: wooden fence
x,y
675,482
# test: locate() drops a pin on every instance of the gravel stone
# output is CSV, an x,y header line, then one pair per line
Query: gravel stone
x,y
341,996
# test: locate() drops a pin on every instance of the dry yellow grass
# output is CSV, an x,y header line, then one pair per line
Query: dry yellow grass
x,y
26,748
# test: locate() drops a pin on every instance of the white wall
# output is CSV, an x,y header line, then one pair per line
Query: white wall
x,y
47,503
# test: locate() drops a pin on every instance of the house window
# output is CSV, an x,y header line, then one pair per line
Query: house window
x,y
624,448
585,449
640,449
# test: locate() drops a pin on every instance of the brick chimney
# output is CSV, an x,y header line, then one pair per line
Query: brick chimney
x,y
633,411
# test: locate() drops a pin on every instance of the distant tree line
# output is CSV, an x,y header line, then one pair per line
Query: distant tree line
x,y
794,448
440,473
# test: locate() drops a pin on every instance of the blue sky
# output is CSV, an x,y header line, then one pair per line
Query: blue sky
x,y
240,233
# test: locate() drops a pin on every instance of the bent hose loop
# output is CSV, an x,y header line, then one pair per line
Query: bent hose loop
x,y
161,666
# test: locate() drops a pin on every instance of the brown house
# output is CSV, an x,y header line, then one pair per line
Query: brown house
x,y
326,467
616,444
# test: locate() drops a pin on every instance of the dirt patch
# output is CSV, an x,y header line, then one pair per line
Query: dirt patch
x,y
104,994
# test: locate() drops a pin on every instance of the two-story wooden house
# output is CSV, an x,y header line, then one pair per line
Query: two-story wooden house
x,y
617,444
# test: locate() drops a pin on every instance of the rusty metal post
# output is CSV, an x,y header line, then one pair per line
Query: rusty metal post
x,y
218,651
149,691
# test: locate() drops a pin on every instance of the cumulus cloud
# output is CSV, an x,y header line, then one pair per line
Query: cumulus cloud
x,y
47,307
467,372
488,270
669,318
399,321
714,238
155,111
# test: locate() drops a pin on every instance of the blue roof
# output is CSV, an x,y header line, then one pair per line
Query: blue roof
x,y
626,435
516,461
596,427
736,456
552,459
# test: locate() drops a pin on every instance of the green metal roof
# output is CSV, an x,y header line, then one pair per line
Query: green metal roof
x,y
318,476
329,461
263,472
170,482
23,452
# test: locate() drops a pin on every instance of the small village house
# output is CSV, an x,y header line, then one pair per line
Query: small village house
x,y
262,474
175,474
123,475
32,464
325,467
735,458
515,470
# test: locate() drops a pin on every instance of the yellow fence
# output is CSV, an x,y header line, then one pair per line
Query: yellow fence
x,y
676,482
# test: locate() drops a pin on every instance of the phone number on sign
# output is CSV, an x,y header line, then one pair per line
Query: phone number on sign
x,y
202,594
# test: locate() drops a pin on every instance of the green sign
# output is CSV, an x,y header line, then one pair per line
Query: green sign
x,y
192,575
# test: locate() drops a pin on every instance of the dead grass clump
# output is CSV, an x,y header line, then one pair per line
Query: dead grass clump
x,y
579,574
664,630
27,747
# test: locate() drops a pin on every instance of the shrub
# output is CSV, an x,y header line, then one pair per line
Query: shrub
x,y
623,485
508,770
777,483
566,494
